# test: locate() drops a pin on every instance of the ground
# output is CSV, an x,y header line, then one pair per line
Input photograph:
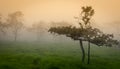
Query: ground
x,y
55,55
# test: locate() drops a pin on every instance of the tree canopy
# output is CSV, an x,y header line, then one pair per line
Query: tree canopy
x,y
15,22
85,32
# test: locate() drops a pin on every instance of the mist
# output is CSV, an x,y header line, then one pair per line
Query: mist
x,y
59,34
43,10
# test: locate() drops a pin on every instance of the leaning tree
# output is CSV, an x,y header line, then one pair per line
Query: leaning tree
x,y
85,32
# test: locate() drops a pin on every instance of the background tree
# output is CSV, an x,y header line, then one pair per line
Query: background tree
x,y
15,23
39,29
3,26
85,32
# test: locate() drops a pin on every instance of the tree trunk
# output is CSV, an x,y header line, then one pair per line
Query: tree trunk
x,y
83,51
37,38
15,37
88,52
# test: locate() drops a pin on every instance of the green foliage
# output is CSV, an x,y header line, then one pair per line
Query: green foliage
x,y
62,55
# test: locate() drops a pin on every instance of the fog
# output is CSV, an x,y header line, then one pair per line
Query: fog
x,y
106,15
28,35
37,32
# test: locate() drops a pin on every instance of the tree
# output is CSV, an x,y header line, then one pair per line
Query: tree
x,y
3,25
84,22
59,24
15,23
39,28
85,32
77,33
97,37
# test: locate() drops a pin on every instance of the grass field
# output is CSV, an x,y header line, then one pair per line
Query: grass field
x,y
55,55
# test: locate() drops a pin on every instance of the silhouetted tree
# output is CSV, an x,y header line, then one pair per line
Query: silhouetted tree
x,y
84,22
77,33
95,36
15,23
59,24
85,32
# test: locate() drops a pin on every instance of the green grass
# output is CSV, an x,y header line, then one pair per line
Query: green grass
x,y
55,55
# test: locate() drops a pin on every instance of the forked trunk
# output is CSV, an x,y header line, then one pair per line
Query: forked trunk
x,y
83,51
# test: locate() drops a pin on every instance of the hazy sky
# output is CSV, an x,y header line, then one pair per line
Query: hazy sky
x,y
107,12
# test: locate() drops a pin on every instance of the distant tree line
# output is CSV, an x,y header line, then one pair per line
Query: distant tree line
x,y
14,23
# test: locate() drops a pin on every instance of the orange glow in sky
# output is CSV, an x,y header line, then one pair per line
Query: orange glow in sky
x,y
106,11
